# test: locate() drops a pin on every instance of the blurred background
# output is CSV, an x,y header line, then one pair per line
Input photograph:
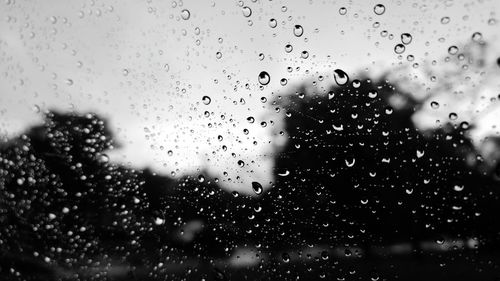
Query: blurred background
x,y
230,140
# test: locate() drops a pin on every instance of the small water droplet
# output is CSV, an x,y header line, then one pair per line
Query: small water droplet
x,y
288,48
445,20
264,78
406,38
298,30
399,49
340,77
350,162
206,100
257,188
379,9
304,54
343,11
185,14
453,50
247,12
273,23
285,257
477,37
434,105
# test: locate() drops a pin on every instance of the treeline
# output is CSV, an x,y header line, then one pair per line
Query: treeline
x,y
355,172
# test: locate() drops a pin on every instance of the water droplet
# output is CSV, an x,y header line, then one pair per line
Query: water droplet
x,y
445,20
477,37
340,77
406,38
283,81
288,48
218,55
185,14
159,221
284,173
350,162
273,23
343,11
372,94
285,257
458,188
453,50
420,154
434,105
264,78
298,30
453,116
251,119
379,9
247,11
257,188
206,100
261,56
304,54
241,163
201,178
399,49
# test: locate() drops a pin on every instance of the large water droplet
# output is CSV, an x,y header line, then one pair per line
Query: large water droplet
x,y
340,77
264,78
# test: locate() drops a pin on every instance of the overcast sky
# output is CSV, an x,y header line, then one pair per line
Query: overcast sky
x,y
146,66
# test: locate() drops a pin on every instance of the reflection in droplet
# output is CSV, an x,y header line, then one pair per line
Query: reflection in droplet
x,y
379,9
340,77
264,78
257,188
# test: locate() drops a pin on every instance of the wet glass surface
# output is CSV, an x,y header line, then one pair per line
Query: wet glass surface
x,y
249,140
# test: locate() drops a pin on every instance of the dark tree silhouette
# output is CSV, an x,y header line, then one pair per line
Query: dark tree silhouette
x,y
356,171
